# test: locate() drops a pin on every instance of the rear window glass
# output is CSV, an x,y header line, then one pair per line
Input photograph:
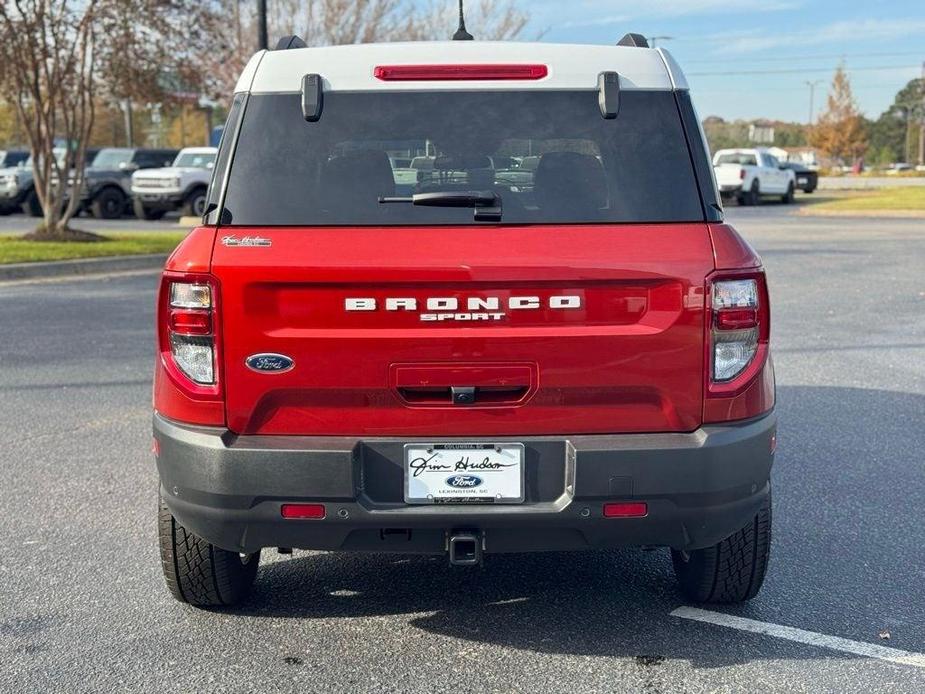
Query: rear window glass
x,y
548,155
740,158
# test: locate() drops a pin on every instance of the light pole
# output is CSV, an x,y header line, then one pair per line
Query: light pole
x,y
812,93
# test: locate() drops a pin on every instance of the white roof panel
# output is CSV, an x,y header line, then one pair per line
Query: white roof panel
x,y
350,68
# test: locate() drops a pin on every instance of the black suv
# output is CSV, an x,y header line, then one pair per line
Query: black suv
x,y
108,180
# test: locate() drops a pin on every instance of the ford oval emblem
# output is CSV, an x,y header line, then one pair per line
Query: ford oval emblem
x,y
269,363
464,481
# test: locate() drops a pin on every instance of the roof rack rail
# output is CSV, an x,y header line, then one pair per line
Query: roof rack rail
x,y
287,42
633,40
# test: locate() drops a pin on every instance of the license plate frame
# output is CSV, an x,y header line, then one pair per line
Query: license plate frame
x,y
427,484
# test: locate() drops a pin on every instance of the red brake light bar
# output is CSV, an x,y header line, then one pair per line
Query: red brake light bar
x,y
413,73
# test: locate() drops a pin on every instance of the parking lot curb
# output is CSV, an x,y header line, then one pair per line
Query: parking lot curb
x,y
83,266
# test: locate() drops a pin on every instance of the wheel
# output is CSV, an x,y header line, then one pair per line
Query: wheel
x,y
809,190
787,198
753,197
4,211
109,203
195,203
200,573
32,204
143,212
730,571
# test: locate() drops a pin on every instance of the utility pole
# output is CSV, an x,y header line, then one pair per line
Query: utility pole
x,y
262,42
129,126
922,120
812,94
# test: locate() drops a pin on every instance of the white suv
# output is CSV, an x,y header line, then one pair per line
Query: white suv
x,y
181,186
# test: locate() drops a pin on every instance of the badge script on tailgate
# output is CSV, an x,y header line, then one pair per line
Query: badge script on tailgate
x,y
246,241
473,308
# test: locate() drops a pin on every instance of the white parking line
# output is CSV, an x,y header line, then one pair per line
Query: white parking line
x,y
810,638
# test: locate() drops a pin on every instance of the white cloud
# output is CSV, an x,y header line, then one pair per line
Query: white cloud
x,y
836,32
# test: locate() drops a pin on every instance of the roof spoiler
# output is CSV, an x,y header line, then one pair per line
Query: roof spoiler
x,y
287,42
634,41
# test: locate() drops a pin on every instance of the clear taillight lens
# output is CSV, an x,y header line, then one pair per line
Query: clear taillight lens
x,y
189,295
192,343
735,327
194,356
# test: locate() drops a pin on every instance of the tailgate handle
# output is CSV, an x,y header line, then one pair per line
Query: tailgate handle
x,y
463,395
460,385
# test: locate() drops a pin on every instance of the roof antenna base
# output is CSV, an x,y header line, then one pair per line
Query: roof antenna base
x,y
461,33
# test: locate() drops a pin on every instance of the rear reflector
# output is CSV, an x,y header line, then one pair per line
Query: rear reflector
x,y
629,509
399,73
310,511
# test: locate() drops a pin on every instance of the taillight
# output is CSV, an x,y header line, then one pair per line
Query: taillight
x,y
189,340
741,174
739,330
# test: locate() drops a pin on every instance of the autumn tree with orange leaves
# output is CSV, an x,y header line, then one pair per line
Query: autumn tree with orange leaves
x,y
839,132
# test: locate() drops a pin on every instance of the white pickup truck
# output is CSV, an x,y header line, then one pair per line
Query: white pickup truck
x,y
749,174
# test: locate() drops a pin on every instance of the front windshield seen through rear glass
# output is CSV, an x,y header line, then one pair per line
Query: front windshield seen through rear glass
x,y
195,160
549,156
111,158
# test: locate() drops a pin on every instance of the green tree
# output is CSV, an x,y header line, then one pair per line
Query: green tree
x,y
895,129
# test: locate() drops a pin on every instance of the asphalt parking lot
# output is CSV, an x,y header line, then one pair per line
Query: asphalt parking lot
x,y
83,606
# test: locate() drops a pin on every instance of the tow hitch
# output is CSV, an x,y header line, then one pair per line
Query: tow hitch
x,y
465,548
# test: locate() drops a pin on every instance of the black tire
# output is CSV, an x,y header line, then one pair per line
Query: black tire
x,y
200,573
195,203
809,190
753,197
730,571
143,212
4,211
109,203
787,198
32,205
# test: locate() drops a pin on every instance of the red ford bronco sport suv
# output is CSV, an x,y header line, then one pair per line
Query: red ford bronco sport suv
x,y
539,336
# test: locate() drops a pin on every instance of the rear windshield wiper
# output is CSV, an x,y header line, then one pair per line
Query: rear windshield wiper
x,y
487,204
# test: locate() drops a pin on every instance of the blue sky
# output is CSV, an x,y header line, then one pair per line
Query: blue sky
x,y
790,42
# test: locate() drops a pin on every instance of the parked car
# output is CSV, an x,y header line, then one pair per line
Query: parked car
x,y
750,174
469,368
12,157
108,180
898,168
807,180
180,186
17,185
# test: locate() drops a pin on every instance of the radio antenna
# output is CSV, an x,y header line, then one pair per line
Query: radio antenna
x,y
461,33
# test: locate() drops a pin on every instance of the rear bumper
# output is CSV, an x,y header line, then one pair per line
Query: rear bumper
x,y
729,189
700,487
166,200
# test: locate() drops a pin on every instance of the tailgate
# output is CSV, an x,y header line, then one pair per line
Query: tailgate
x,y
417,331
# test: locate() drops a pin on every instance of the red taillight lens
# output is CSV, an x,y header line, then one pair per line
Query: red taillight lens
x,y
304,511
736,318
399,73
626,509
189,322
741,174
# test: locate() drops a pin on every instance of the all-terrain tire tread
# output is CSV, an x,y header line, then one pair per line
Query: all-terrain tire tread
x,y
199,573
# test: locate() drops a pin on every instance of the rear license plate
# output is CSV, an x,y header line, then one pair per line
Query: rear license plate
x,y
801,181
461,473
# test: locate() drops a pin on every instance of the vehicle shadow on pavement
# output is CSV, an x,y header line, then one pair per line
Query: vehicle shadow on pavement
x,y
843,450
